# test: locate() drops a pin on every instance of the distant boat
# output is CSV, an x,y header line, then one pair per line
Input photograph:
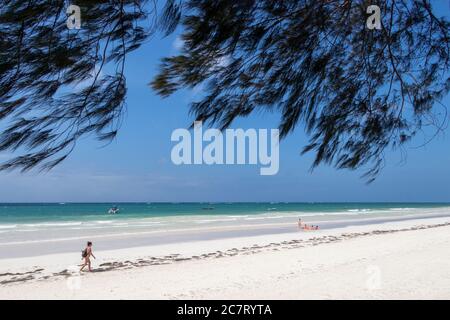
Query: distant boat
x,y
113,210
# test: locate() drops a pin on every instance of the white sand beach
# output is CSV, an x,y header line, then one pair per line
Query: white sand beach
x,y
396,260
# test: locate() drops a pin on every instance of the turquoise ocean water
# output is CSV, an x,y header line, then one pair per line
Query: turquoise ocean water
x,y
16,215
34,229
21,213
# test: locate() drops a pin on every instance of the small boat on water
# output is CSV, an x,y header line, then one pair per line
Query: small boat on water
x,y
113,210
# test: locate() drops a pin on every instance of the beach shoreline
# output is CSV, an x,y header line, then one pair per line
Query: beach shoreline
x,y
253,267
25,243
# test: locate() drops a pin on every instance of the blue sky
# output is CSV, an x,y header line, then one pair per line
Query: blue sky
x,y
137,165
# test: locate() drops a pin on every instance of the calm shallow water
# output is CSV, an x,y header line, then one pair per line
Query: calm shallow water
x,y
52,212
79,218
34,229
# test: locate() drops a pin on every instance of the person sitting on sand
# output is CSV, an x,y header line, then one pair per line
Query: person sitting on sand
x,y
86,255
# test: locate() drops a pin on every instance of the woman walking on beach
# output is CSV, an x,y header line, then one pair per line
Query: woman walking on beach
x,y
86,255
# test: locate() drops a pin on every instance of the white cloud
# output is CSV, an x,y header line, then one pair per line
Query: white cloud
x,y
178,43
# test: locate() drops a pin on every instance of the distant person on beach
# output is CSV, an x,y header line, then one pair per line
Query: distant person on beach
x,y
312,227
86,255
300,223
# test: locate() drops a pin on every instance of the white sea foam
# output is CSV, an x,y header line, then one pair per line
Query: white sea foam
x,y
86,228
52,224
26,230
215,220
255,218
149,223
359,210
104,221
8,226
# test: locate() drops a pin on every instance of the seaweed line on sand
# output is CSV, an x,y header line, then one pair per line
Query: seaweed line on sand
x,y
176,258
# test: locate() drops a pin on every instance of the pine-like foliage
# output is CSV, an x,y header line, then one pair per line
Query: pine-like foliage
x,y
356,91
53,85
